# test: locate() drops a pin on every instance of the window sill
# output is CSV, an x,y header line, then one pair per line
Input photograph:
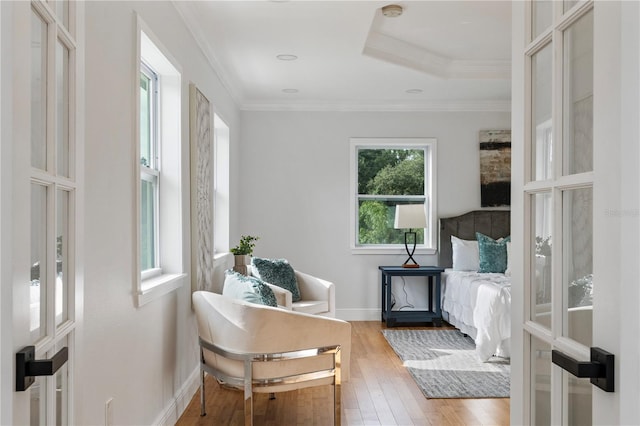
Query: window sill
x,y
153,288
390,250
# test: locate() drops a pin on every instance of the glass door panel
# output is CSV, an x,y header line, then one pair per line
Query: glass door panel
x,y
62,387
541,259
542,16
541,137
540,382
38,405
38,284
577,206
62,109
568,4
62,11
38,92
62,255
62,396
578,96
578,400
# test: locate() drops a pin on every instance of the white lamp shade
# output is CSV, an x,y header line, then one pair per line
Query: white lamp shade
x,y
410,216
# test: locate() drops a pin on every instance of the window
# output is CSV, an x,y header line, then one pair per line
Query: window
x,y
220,186
149,171
158,161
386,172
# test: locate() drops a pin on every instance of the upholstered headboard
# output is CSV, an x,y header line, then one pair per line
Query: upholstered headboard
x,y
494,223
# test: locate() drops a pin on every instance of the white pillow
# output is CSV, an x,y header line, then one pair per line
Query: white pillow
x,y
507,271
466,255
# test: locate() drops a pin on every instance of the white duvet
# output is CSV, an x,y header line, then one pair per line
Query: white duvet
x,y
479,304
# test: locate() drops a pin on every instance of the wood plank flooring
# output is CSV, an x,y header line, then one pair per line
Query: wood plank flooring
x,y
380,392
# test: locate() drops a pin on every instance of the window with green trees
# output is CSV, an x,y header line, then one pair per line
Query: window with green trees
x,y
390,172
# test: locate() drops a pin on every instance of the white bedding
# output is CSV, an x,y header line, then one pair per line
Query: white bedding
x,y
479,304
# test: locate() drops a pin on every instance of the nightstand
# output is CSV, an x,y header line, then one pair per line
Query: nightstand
x,y
434,314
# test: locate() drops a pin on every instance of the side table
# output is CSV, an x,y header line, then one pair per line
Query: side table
x,y
434,314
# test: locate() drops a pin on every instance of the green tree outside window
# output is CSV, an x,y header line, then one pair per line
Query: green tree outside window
x,y
387,177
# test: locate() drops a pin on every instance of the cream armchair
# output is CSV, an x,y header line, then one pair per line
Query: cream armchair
x,y
317,296
265,349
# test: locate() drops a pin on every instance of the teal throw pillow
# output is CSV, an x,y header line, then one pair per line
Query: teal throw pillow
x,y
249,289
277,272
492,253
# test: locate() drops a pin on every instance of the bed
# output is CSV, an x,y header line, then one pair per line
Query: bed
x,y
477,303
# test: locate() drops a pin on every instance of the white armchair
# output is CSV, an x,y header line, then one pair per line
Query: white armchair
x,y
265,349
317,296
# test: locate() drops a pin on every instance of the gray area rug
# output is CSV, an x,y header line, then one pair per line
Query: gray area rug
x,y
444,364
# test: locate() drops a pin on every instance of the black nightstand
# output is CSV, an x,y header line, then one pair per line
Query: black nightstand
x,y
432,315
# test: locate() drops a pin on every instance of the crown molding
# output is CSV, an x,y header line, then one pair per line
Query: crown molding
x,y
390,49
435,106
187,14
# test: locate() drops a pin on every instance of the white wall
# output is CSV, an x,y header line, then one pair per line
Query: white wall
x,y
141,357
294,180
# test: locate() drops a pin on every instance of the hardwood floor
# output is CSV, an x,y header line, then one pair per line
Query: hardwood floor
x,y
380,392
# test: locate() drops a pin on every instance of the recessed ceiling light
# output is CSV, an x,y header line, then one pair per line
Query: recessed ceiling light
x,y
290,90
414,91
392,10
287,57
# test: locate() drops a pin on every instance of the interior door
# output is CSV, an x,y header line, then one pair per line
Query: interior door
x,y
44,201
568,182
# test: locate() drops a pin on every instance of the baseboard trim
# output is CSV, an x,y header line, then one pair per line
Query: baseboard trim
x,y
180,401
365,314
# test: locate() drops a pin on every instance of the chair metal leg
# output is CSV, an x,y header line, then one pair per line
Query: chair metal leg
x,y
248,394
202,411
337,389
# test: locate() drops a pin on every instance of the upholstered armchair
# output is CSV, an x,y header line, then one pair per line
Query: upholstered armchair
x,y
317,296
265,349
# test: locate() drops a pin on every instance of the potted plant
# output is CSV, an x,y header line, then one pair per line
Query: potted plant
x,y
243,252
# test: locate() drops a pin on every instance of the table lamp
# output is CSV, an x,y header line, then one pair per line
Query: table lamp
x,y
410,216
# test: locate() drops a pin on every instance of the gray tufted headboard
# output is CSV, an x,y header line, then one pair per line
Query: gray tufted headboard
x,y
494,223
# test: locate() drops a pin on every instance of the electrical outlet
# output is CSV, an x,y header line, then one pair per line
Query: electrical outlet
x,y
108,412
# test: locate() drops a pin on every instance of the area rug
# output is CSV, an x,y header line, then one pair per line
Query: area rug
x,y
444,364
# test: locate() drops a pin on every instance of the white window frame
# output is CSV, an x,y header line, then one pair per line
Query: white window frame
x,y
168,274
221,194
430,186
151,171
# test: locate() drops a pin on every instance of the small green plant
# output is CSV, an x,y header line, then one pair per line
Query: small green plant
x,y
247,243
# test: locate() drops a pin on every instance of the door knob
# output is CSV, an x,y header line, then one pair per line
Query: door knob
x,y
600,369
27,367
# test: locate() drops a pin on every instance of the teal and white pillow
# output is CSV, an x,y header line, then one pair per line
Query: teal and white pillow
x,y
492,253
277,272
249,289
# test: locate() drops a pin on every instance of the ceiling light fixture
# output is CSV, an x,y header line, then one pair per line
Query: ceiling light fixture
x,y
287,57
290,90
392,10
414,91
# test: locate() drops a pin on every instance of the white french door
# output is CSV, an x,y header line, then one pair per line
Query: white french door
x,y
569,209
45,204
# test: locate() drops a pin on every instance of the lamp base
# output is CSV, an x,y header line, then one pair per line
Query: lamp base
x,y
410,265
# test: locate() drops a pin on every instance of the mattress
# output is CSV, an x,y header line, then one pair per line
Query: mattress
x,y
479,304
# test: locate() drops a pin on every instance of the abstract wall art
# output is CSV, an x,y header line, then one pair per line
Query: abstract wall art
x,y
201,136
495,168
